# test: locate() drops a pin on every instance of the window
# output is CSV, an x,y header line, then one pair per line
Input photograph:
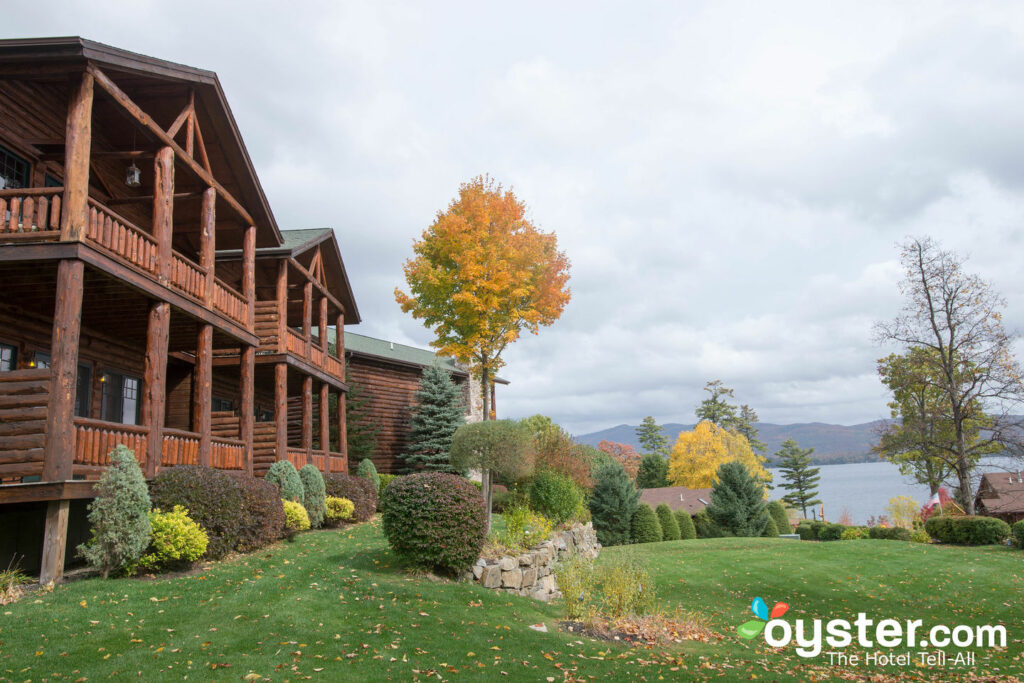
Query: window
x,y
8,357
83,388
120,398
221,405
14,170
264,415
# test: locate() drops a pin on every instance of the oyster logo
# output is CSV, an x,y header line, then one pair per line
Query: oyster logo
x,y
751,629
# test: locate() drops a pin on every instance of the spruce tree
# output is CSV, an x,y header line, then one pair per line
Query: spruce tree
x,y
653,472
645,527
801,480
651,438
360,430
737,501
778,512
686,529
770,529
669,525
612,504
435,417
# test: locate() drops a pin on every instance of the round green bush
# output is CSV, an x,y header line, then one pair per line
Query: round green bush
x,y
385,479
853,533
920,536
435,520
831,532
706,527
555,496
314,492
645,528
284,474
338,510
894,533
212,497
687,531
1018,534
295,516
971,530
368,470
357,489
262,513
669,525
770,530
777,510
177,540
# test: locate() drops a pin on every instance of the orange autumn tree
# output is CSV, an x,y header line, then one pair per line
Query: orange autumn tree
x,y
482,273
624,454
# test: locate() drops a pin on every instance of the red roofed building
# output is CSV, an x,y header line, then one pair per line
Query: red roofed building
x,y
677,498
1001,494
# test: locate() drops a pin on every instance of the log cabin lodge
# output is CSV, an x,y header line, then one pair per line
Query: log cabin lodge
x,y
149,297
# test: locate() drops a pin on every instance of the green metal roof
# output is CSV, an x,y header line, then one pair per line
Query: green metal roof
x,y
296,238
400,353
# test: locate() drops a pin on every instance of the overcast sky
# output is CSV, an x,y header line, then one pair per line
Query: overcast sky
x,y
729,179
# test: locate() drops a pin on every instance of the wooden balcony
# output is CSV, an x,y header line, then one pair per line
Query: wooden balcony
x,y
294,343
33,214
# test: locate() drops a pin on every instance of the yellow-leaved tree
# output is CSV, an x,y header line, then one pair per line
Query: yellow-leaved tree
x,y
697,455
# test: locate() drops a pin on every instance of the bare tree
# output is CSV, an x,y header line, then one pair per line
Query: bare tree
x,y
957,316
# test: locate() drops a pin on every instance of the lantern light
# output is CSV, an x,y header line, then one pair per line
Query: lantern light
x,y
133,176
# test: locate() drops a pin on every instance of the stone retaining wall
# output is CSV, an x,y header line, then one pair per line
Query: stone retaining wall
x,y
529,574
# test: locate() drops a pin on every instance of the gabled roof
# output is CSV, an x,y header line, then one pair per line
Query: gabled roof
x,y
677,498
129,69
399,353
1002,492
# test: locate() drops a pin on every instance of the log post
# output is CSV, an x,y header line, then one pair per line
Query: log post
x,y
307,315
246,412
208,241
323,324
339,337
202,392
281,409
55,536
343,430
325,424
77,146
163,208
307,415
67,325
154,390
282,306
249,272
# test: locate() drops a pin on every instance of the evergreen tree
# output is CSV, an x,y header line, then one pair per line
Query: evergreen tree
x,y
651,438
801,480
737,501
669,525
645,527
687,531
653,472
360,430
612,504
314,495
778,512
770,529
435,417
367,470
716,409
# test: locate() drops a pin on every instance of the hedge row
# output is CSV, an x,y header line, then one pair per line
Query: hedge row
x,y
970,530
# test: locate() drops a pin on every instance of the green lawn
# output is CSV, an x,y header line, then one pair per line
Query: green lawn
x,y
334,606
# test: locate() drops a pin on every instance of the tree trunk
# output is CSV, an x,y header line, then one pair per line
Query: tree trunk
x,y
485,480
485,394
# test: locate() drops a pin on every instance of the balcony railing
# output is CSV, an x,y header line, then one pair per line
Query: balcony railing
x,y
34,213
297,345
318,458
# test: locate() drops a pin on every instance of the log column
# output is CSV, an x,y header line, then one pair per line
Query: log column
x,y
339,337
202,392
154,393
77,145
342,430
323,324
307,315
281,409
208,241
245,416
307,415
325,424
282,306
163,208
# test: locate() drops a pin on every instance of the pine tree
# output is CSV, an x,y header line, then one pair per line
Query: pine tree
x,y
771,530
360,430
686,529
653,472
651,438
612,504
435,417
801,480
669,525
737,501
778,512
645,527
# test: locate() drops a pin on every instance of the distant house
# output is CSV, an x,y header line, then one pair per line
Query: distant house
x,y
677,498
387,375
1001,494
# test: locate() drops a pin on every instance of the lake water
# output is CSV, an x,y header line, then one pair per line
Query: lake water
x,y
864,489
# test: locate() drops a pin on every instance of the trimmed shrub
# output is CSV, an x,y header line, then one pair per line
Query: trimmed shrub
x,y
1018,534
262,513
118,516
284,474
669,525
893,533
435,520
705,527
686,529
213,499
612,504
357,489
770,530
385,479
831,532
967,530
555,496
368,470
313,494
853,533
524,528
338,510
777,511
645,527
177,540
501,499
295,517
920,536
806,531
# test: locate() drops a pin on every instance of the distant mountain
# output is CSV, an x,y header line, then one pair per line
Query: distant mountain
x,y
831,443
